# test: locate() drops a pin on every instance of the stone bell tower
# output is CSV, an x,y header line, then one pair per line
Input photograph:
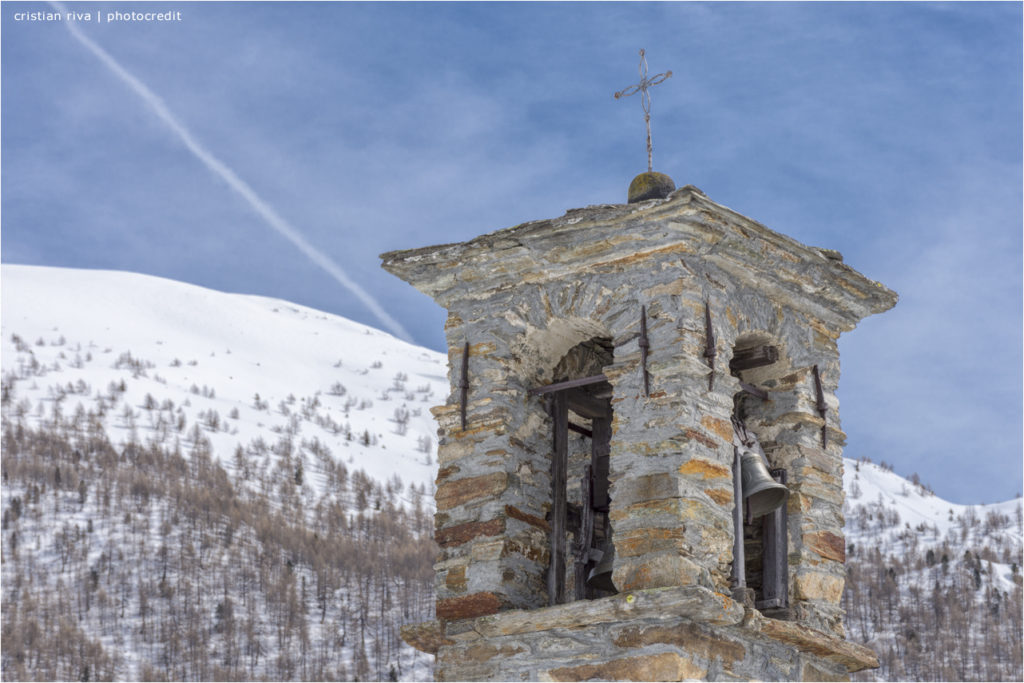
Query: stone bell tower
x,y
601,364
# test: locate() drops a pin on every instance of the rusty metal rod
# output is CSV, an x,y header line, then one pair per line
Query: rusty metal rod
x,y
709,344
822,407
755,391
645,345
464,385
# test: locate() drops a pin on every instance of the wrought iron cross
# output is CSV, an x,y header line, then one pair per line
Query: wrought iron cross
x,y
645,99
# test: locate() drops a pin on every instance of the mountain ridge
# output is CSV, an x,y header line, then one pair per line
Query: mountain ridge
x,y
173,333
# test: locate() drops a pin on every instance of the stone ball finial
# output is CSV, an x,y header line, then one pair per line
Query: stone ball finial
x,y
650,185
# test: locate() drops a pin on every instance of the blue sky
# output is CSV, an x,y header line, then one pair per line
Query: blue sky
x,y
888,131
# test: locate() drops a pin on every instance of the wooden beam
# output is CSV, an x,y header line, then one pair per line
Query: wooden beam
x,y
587,406
573,427
755,357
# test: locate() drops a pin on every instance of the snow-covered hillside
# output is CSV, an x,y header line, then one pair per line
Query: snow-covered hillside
x,y
932,586
887,511
154,355
209,486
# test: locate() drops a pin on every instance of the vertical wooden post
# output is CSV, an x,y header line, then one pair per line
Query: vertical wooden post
x,y
559,472
739,570
775,562
586,535
600,450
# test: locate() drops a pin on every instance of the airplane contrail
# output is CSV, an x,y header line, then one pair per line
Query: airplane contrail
x,y
279,224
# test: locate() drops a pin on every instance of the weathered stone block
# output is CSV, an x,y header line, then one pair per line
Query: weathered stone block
x,y
691,602
463,533
455,579
657,571
651,513
721,428
700,437
668,666
644,541
705,469
426,636
703,642
484,652
811,585
449,452
812,672
723,497
852,656
487,550
451,494
818,490
826,544
533,520
642,489
468,606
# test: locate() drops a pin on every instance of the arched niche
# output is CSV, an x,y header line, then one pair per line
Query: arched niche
x,y
761,364
577,401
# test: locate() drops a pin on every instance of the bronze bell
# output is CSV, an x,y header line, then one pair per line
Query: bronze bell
x,y
600,577
762,493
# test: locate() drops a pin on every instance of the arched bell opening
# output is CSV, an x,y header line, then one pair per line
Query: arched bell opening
x,y
578,401
760,565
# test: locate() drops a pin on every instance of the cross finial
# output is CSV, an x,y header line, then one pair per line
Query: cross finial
x,y
645,99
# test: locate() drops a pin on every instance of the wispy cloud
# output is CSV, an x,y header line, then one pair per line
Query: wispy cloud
x,y
215,165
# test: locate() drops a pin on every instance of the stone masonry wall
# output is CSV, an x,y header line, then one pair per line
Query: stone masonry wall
x,y
671,451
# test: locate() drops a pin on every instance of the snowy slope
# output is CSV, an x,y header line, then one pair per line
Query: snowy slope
x,y
912,507
887,511
933,587
277,393
71,337
866,482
